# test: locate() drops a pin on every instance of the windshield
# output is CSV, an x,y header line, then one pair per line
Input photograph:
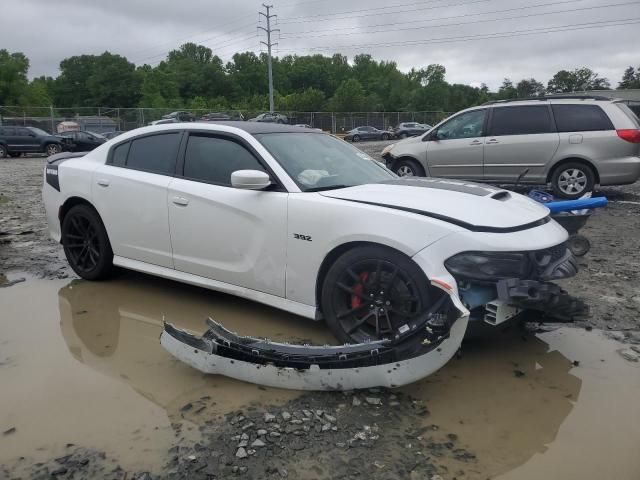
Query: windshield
x,y
38,131
322,162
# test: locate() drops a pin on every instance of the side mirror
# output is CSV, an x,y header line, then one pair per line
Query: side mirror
x,y
250,179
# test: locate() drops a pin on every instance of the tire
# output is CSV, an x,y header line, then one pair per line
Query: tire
x,y
403,135
385,136
572,180
408,168
3,151
366,274
355,138
579,245
86,243
52,149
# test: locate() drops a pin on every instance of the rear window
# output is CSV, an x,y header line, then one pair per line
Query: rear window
x,y
581,118
523,120
155,153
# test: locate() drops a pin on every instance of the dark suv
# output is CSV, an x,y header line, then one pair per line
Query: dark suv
x,y
17,140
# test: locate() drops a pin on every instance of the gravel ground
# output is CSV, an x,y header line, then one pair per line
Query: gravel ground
x,y
371,434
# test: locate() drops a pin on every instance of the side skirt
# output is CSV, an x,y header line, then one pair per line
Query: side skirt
x,y
297,308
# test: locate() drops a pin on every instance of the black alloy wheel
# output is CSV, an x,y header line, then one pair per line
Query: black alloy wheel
x,y
86,244
370,292
355,138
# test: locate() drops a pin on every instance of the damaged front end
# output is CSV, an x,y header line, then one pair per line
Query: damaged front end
x,y
417,349
498,286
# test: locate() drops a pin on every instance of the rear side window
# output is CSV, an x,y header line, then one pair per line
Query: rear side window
x,y
581,118
214,159
524,120
119,155
156,153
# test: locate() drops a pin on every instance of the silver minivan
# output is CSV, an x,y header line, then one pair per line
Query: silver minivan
x,y
571,143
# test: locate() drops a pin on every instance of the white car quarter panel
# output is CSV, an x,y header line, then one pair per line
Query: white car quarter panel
x,y
133,207
232,235
326,223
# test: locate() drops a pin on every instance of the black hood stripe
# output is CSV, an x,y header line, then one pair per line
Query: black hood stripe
x,y
455,221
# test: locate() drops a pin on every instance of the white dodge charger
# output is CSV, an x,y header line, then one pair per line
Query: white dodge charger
x,y
302,221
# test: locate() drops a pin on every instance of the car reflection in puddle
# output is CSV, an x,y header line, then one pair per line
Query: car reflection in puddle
x,y
503,416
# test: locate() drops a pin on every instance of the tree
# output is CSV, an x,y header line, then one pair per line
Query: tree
x,y
630,78
580,79
507,90
529,88
349,97
13,77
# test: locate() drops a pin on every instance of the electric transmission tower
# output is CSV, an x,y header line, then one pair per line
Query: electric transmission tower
x,y
268,43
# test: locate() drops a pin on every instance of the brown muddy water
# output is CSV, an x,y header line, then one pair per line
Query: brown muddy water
x,y
80,363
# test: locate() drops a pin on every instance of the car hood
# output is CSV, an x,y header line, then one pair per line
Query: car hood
x,y
469,205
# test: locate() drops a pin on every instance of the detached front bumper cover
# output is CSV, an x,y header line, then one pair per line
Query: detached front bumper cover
x,y
417,350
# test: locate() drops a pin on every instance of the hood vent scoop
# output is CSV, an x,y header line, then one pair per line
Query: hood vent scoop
x,y
502,196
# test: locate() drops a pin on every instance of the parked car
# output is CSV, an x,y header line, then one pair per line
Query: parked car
x,y
175,117
304,125
207,117
110,135
83,141
410,129
366,133
270,117
15,141
571,143
289,223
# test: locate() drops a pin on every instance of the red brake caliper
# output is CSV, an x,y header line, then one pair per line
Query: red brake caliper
x,y
356,301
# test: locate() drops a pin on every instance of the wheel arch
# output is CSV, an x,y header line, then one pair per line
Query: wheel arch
x,y
71,202
574,159
334,254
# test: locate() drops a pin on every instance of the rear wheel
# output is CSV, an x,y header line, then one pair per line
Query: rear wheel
x,y
408,168
385,136
403,135
3,151
371,291
572,180
52,149
86,244
355,138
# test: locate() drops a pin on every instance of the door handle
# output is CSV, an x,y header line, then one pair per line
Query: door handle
x,y
492,141
181,201
476,142
103,182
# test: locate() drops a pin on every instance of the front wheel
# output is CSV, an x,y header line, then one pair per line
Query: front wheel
x,y
355,138
572,180
3,151
385,136
371,291
408,168
52,149
86,244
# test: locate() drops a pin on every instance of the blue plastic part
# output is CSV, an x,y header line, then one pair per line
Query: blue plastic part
x,y
580,204
540,196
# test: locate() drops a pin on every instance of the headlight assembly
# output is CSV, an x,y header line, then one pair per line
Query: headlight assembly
x,y
489,266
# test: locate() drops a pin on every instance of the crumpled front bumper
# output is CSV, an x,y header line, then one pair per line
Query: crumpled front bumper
x,y
417,350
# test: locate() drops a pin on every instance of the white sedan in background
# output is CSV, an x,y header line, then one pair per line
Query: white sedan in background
x,y
302,221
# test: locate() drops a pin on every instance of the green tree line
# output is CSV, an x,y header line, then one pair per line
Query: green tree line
x,y
194,77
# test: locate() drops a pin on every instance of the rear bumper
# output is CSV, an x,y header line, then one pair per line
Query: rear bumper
x,y
619,171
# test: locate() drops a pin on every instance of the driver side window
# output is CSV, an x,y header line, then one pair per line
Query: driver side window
x,y
466,125
213,159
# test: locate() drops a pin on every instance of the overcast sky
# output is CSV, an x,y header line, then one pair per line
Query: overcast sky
x,y
410,32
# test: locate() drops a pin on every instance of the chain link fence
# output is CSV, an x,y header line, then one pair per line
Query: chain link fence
x,y
104,120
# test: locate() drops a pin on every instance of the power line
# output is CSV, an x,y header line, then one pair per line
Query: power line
x,y
611,5
333,17
513,33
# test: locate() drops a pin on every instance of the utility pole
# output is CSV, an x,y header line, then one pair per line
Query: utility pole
x,y
268,43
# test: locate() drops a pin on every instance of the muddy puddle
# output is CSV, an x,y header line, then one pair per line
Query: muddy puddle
x,y
80,363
